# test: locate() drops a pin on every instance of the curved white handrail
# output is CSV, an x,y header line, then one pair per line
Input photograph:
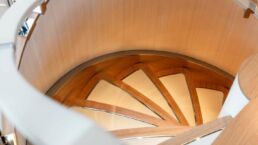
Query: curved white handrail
x,y
37,117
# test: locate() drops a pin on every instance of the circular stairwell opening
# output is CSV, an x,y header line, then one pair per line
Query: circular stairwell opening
x,y
141,94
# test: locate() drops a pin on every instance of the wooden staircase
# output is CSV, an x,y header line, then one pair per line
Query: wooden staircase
x,y
144,94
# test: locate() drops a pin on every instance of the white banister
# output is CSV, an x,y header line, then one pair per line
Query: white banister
x,y
37,117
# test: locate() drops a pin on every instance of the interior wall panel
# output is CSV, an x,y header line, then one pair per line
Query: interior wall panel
x,y
72,32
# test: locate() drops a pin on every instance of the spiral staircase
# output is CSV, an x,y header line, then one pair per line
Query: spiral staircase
x,y
137,94
128,72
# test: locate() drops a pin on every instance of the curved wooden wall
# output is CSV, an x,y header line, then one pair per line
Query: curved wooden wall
x,y
243,129
248,78
72,32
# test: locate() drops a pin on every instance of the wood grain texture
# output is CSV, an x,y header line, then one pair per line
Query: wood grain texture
x,y
243,129
202,78
120,111
199,131
79,82
248,78
88,87
72,32
141,98
194,98
60,93
167,96
20,43
124,73
150,131
211,86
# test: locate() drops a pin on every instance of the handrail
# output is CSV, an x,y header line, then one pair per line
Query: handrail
x,y
41,120
199,131
150,131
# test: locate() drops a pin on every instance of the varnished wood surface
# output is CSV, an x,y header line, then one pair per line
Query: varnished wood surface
x,y
120,111
248,78
199,131
141,98
194,98
169,64
20,43
243,129
60,93
74,88
212,86
150,131
22,40
84,93
165,93
72,32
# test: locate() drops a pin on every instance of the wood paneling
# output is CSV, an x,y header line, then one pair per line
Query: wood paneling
x,y
199,131
72,32
248,78
243,129
20,43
